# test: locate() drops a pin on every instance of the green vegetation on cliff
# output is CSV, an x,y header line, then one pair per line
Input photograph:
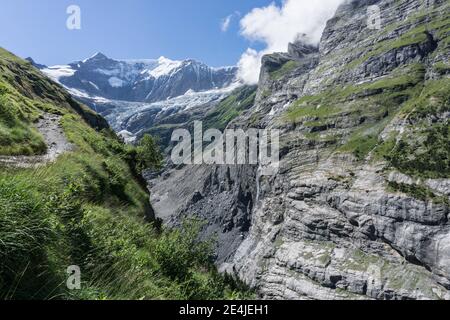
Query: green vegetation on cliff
x,y
231,107
424,28
426,151
285,69
362,113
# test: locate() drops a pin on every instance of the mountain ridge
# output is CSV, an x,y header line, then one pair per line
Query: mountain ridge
x,y
139,80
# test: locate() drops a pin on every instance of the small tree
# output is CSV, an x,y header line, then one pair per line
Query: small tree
x,y
148,155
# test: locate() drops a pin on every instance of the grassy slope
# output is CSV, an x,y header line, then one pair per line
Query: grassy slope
x,y
285,69
425,153
16,114
230,108
86,209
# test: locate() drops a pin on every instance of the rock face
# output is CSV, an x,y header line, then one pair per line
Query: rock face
x,y
360,206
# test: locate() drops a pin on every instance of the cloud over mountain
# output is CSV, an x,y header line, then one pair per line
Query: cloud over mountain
x,y
276,26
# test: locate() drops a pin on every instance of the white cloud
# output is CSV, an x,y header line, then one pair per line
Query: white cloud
x,y
249,66
277,26
226,23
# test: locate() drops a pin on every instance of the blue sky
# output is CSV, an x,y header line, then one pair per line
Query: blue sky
x,y
177,29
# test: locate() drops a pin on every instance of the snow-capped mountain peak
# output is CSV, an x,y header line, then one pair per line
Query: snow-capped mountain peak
x,y
165,67
96,57
143,80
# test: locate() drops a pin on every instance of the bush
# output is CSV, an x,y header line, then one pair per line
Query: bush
x,y
428,157
148,155
179,251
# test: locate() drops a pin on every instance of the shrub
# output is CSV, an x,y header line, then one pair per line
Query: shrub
x,y
148,155
178,251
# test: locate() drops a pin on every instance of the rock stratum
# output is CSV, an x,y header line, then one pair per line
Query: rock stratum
x,y
360,206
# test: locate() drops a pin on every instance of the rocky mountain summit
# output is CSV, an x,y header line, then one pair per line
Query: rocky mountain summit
x,y
360,206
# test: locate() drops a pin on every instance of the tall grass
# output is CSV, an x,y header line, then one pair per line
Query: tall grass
x,y
17,137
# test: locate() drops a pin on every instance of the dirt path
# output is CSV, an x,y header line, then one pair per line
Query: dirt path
x,y
57,144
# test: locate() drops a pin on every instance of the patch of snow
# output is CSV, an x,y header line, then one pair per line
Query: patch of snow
x,y
78,93
165,67
116,82
94,85
112,72
98,54
226,68
119,112
57,72
190,92
275,110
81,94
87,59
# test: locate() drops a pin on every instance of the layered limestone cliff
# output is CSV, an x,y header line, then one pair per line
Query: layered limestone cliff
x,y
360,206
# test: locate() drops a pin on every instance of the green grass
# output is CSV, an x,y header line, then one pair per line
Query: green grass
x,y
360,145
425,151
94,212
230,108
434,99
388,91
368,106
442,68
428,157
284,70
400,79
384,148
301,111
439,26
419,192
24,96
17,136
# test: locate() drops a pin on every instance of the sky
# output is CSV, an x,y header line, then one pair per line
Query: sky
x,y
216,32
176,29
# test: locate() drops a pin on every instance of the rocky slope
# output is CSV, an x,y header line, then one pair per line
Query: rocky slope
x,y
359,209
